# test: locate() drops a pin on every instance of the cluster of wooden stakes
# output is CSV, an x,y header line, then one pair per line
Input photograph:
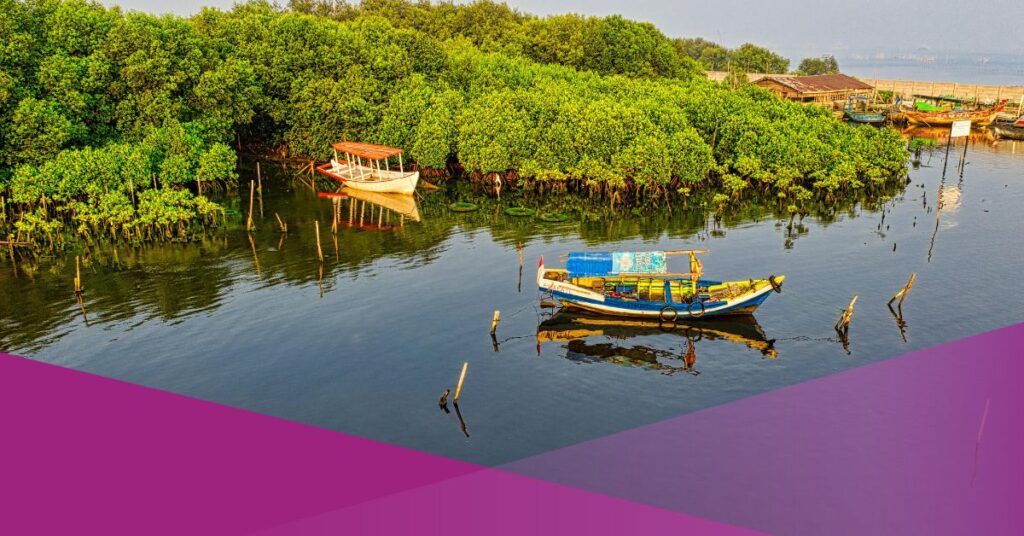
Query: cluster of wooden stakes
x,y
843,324
282,226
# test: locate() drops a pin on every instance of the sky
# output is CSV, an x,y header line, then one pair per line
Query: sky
x,y
795,28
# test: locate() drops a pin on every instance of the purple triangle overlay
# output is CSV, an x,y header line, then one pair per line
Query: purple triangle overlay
x,y
82,454
928,443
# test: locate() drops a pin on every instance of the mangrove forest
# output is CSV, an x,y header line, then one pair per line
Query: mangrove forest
x,y
118,124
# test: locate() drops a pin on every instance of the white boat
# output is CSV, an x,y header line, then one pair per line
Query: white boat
x,y
365,166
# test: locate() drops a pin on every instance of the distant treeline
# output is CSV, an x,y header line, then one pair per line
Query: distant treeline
x,y
101,105
607,45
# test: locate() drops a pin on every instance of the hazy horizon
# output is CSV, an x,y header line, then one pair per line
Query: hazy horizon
x,y
794,28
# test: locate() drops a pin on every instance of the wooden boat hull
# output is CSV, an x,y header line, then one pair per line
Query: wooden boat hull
x,y
1008,132
370,180
864,118
670,308
980,118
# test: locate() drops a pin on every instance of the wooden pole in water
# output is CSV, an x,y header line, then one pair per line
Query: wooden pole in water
x,y
250,225
963,157
902,294
281,224
319,252
259,187
462,378
494,321
520,249
949,141
844,321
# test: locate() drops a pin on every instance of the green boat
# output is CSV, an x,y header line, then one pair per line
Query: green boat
x,y
868,118
863,117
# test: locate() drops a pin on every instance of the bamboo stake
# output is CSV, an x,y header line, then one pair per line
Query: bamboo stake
x,y
462,377
319,252
494,321
902,294
520,249
844,321
281,224
259,177
250,225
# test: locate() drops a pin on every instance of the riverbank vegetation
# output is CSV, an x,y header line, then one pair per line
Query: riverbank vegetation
x,y
116,122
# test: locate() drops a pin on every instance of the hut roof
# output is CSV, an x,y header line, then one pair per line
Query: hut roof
x,y
366,150
819,83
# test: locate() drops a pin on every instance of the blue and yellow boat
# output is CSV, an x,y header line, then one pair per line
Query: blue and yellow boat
x,y
638,285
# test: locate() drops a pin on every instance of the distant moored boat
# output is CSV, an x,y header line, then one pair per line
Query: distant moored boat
x,y
980,118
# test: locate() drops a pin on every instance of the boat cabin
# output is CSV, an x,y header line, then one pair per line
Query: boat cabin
x,y
367,166
366,161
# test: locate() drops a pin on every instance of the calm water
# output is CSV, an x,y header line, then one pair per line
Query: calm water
x,y
369,347
993,68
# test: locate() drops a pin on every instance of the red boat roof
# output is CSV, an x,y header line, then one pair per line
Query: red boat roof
x,y
366,150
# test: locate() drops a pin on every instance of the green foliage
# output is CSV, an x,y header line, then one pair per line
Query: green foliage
x,y
823,65
38,130
754,59
747,58
217,165
101,102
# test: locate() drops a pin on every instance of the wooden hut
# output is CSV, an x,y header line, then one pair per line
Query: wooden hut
x,y
825,89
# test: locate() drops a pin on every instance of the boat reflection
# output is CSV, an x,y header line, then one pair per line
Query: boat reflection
x,y
385,211
937,134
591,338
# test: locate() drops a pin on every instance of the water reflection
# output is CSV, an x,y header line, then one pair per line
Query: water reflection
x,y
196,318
386,211
590,338
175,280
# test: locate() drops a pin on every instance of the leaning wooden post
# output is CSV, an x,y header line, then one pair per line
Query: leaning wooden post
x,y
250,225
259,178
494,322
462,378
520,285
281,224
902,294
319,252
844,320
